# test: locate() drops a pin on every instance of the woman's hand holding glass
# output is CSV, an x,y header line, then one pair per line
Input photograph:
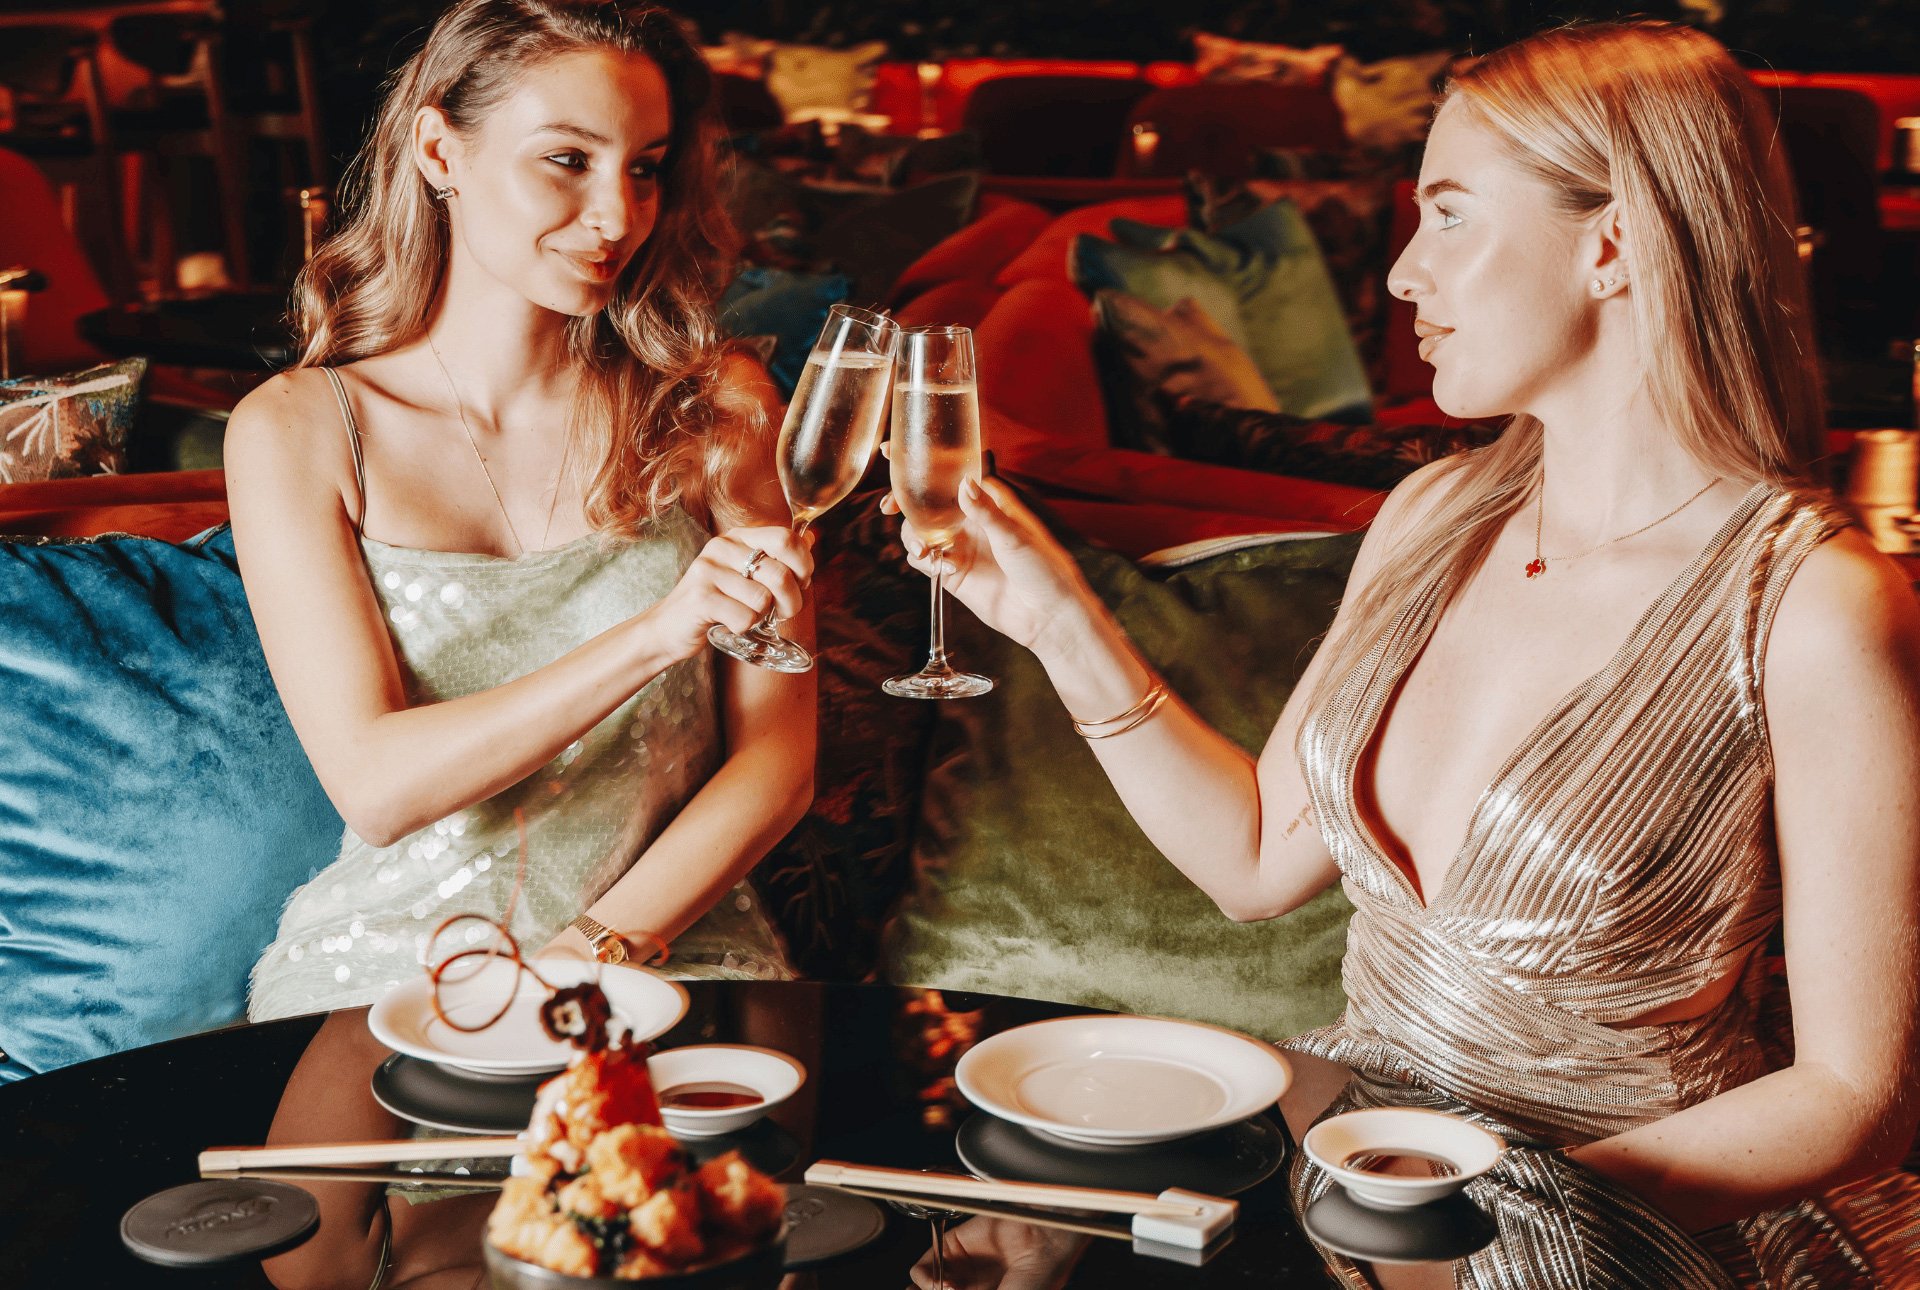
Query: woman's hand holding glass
x,y
833,422
1005,567
737,580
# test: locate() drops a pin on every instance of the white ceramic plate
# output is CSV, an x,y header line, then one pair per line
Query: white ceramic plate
x,y
1122,1081
403,1019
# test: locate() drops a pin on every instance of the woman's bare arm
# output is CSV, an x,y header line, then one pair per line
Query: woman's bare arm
x,y
1842,700
764,786
1240,829
391,768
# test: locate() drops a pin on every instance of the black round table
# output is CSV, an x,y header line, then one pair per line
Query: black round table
x,y
243,331
79,1146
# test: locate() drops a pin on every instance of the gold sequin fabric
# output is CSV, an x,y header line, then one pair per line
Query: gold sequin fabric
x,y
1619,861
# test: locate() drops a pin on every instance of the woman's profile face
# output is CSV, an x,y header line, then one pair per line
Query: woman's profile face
x,y
1494,271
559,187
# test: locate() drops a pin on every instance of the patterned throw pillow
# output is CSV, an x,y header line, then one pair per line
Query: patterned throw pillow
x,y
1218,58
831,881
58,427
809,76
1161,355
1370,456
1389,103
1263,280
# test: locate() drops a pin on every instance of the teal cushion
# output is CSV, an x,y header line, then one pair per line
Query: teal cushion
x,y
1263,280
790,307
156,809
1030,877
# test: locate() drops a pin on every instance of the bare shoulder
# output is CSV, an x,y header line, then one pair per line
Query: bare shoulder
x,y
1848,617
287,439
1411,501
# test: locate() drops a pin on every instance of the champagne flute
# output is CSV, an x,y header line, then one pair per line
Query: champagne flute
x,y
934,447
832,427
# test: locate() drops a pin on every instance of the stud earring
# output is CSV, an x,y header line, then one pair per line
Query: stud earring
x,y
441,194
1599,285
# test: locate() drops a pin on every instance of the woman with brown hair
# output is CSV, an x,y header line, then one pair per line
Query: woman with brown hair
x,y
476,521
1606,704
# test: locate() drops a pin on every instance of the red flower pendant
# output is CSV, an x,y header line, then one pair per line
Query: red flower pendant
x,y
1536,567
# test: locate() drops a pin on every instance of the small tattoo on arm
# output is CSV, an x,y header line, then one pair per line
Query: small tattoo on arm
x,y
1293,825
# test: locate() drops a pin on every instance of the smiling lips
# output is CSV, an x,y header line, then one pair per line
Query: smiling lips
x,y
595,268
1430,334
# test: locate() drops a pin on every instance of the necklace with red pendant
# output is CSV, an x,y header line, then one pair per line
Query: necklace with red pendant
x,y
1538,565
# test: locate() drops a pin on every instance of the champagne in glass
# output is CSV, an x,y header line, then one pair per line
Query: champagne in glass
x,y
934,448
832,427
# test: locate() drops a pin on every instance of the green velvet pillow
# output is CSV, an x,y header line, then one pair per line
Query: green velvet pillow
x,y
1031,878
1263,280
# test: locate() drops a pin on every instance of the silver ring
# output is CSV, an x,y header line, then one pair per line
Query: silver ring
x,y
753,562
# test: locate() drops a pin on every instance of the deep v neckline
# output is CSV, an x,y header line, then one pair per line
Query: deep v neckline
x,y
1431,605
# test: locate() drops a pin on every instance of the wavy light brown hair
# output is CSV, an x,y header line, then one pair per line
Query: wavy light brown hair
x,y
653,424
1661,120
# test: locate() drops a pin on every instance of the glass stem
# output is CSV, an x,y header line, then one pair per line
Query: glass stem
x,y
767,626
937,647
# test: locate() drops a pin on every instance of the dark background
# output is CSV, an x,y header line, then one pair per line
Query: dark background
x,y
361,40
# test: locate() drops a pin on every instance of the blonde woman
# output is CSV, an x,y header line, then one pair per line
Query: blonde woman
x,y
476,522
1606,704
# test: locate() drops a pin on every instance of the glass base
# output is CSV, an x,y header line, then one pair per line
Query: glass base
x,y
938,685
762,647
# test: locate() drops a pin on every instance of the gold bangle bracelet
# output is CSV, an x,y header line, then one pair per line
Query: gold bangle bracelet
x,y
1119,725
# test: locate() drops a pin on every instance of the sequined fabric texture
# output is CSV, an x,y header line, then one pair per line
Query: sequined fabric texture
x,y
1619,861
461,623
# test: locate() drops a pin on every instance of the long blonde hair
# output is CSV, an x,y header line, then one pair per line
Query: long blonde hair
x,y
1661,120
649,427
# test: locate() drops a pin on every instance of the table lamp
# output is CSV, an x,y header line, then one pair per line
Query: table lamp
x,y
15,284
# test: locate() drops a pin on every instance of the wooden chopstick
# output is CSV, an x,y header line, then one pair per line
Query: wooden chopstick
x,y
1018,1214
231,1159
296,1173
839,1173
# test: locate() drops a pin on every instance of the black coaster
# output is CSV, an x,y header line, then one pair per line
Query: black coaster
x,y
219,1221
824,1223
1447,1229
763,1144
1224,1162
441,1099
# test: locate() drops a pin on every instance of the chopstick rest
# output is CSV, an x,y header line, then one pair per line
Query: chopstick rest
x,y
1188,1219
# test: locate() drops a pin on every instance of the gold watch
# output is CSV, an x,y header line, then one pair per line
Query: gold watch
x,y
609,946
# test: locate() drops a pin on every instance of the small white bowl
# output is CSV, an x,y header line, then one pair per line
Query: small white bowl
x,y
773,1075
1470,1149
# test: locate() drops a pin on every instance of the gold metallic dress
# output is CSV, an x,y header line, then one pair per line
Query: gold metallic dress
x,y
1620,861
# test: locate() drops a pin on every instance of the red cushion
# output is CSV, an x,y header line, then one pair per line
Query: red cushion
x,y
173,505
1035,355
978,251
962,303
1123,475
1047,257
1137,528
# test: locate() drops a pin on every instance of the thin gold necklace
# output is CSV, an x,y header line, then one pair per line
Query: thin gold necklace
x,y
1538,565
460,410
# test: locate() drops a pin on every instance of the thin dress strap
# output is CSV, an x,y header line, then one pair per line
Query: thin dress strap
x,y
353,442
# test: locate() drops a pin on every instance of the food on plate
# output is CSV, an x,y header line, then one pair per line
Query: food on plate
x,y
606,1191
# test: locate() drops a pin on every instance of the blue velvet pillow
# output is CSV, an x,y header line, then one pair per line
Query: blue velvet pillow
x,y
790,307
156,809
